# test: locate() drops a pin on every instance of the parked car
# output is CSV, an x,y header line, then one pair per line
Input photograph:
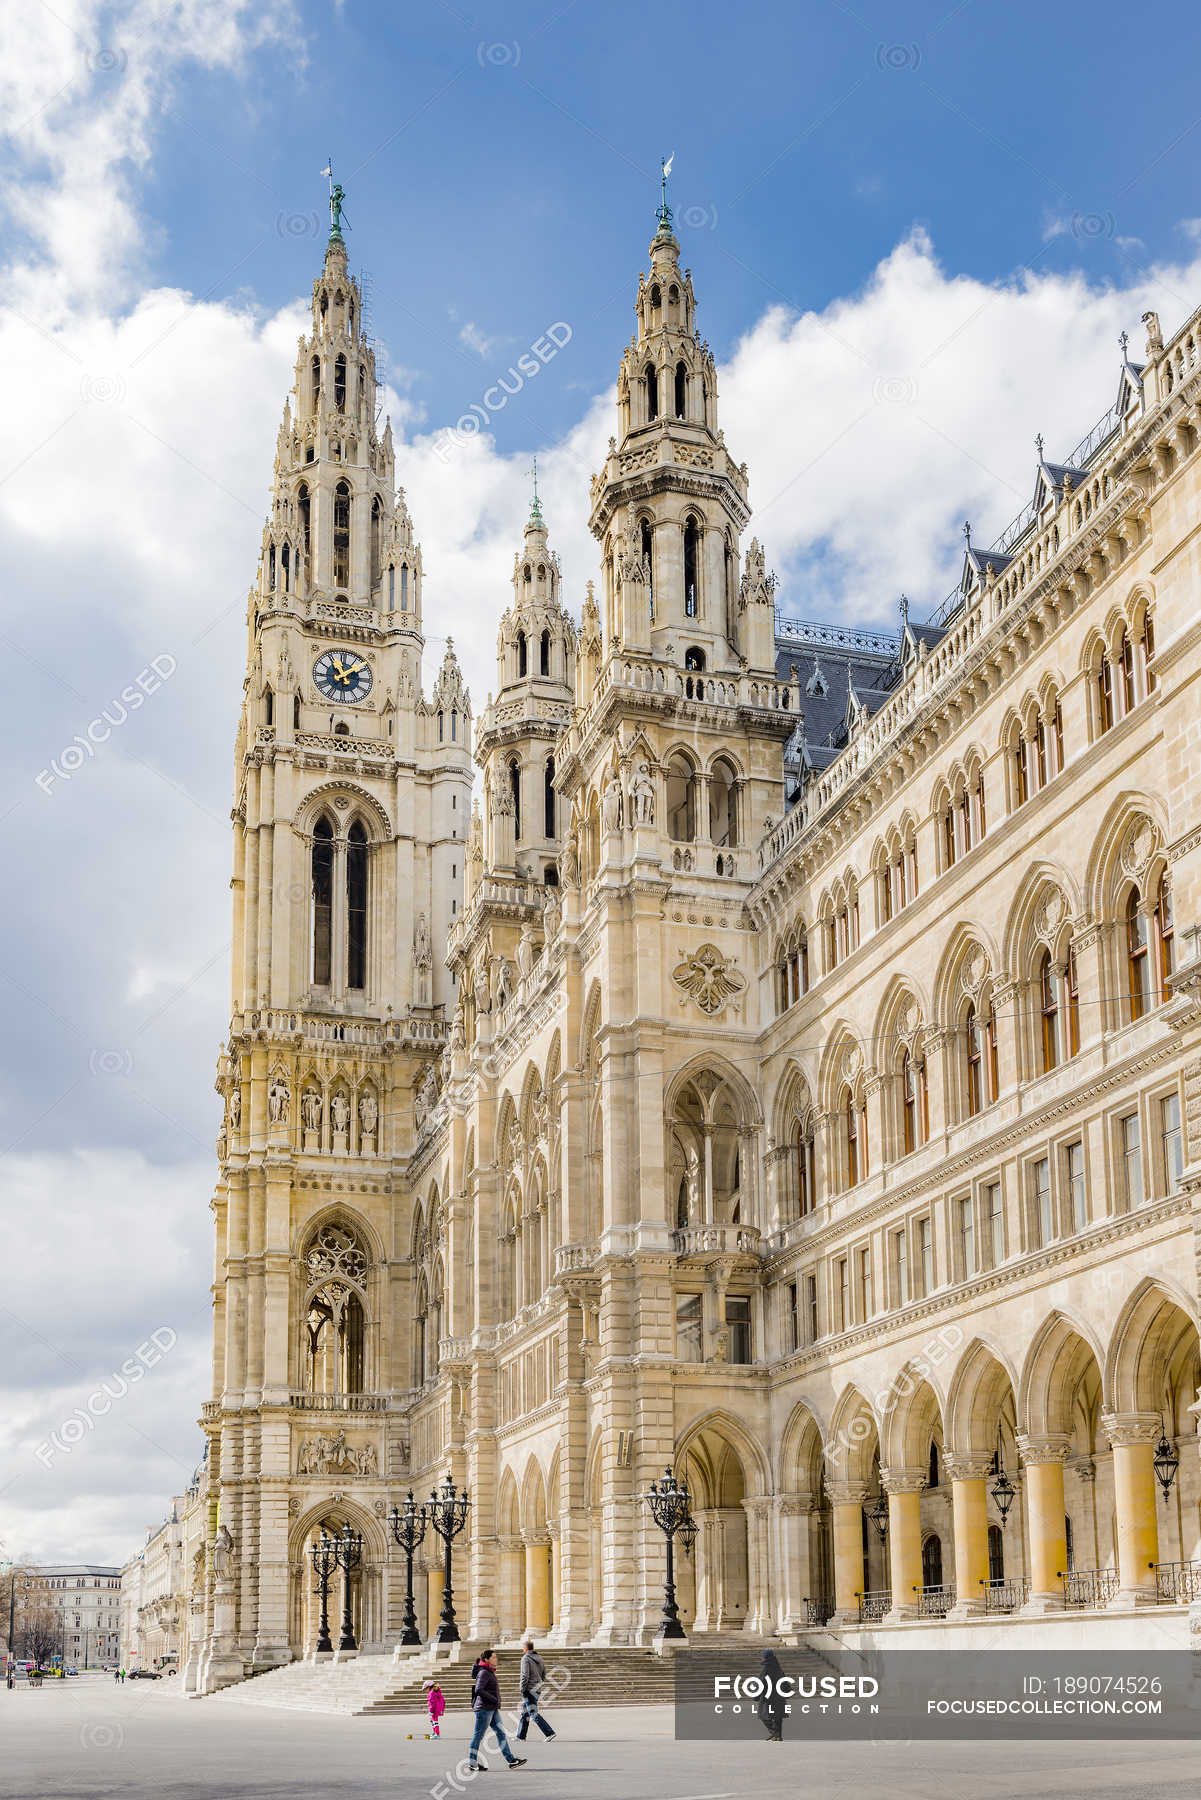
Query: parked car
x,y
144,1675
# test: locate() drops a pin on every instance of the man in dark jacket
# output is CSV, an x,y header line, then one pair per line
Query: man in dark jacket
x,y
533,1674
486,1706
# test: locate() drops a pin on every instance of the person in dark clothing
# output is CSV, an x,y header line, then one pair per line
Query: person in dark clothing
x,y
771,1707
533,1674
486,1706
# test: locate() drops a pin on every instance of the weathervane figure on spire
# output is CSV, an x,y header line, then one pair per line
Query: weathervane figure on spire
x,y
337,195
664,208
536,508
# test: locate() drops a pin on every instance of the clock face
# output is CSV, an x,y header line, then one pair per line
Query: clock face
x,y
342,675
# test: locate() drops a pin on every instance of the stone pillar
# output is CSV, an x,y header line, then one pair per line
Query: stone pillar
x,y
846,1507
759,1566
433,1596
556,1572
795,1584
904,1489
1132,1437
537,1584
969,1512
1044,1459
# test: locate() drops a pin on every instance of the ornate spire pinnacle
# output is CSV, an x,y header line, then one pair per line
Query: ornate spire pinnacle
x,y
337,196
664,213
1038,445
536,505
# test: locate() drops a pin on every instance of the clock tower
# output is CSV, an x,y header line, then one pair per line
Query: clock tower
x,y
351,813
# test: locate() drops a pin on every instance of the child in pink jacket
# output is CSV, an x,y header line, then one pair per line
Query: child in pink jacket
x,y
437,1706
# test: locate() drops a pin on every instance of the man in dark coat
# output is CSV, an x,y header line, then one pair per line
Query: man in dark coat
x,y
486,1707
771,1707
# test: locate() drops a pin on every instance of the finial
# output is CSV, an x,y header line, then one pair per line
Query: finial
x,y
536,509
903,608
1038,445
967,532
337,195
664,214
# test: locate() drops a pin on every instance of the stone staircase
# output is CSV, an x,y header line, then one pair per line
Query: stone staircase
x,y
376,1686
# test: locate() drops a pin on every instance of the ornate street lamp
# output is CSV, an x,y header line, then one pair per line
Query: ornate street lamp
x,y
348,1549
669,1501
408,1530
1002,1489
1165,1462
879,1514
324,1563
447,1512
687,1534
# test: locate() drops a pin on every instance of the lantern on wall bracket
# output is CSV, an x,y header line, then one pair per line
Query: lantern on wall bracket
x,y
1165,1461
879,1514
1002,1489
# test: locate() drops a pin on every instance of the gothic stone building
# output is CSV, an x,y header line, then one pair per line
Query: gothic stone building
x,y
787,1071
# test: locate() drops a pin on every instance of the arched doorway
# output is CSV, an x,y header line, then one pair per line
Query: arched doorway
x,y
368,1596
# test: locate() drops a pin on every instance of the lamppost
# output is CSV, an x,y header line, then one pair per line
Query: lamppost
x,y
348,1549
1166,1462
879,1514
408,1531
447,1511
1002,1489
669,1501
325,1561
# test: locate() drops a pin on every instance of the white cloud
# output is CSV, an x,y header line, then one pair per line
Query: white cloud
x,y
477,340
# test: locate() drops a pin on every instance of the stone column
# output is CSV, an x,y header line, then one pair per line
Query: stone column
x,y
1132,1437
969,1512
904,1488
555,1528
795,1584
759,1560
1044,1459
537,1584
846,1507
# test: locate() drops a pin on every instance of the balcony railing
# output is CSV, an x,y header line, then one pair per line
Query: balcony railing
x,y
1005,1594
360,1403
818,1611
720,1240
1177,1583
935,1602
874,1605
1089,1587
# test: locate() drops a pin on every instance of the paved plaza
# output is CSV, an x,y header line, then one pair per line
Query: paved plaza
x,y
90,1740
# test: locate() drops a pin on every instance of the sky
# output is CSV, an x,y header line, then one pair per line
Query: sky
x,y
915,234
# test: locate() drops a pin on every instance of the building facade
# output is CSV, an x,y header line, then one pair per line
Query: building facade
x,y
86,1598
787,1072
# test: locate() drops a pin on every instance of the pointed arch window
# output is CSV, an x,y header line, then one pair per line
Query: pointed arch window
x,y
315,381
915,1102
377,521
269,705
1105,707
980,1033
855,1133
806,1175
1048,989
305,513
1071,981
271,568
515,790
681,800
339,384
692,538
523,654
1165,931
548,792
1148,653
1138,962
341,569
723,806
544,654
650,375
323,901
285,561
404,587
647,537
681,390
1126,664
356,907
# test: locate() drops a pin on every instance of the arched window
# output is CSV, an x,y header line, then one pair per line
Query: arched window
x,y
950,841
1021,768
269,705
723,822
1138,962
454,724
404,587
315,381
915,1102
681,800
805,1170
1105,707
981,1052
356,907
694,658
341,729
1148,654
652,393
933,1475
855,1129
334,1332
285,559
377,519
339,384
523,654
304,508
691,569
996,1555
544,654
648,557
515,790
271,568
1126,664
548,790
342,535
323,901
1165,931
1048,989
681,391
441,727
1072,986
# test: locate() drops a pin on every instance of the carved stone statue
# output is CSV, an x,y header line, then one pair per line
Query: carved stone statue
x,y
310,1109
483,993
1154,334
458,1030
223,1553
235,1108
339,1112
569,863
642,795
552,913
279,1100
368,1113
611,804
526,951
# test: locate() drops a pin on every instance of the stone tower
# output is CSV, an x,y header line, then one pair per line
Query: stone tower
x,y
350,826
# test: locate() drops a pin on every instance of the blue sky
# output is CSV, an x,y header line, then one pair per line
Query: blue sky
x,y
915,237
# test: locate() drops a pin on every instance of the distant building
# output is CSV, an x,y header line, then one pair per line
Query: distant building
x,y
87,1598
